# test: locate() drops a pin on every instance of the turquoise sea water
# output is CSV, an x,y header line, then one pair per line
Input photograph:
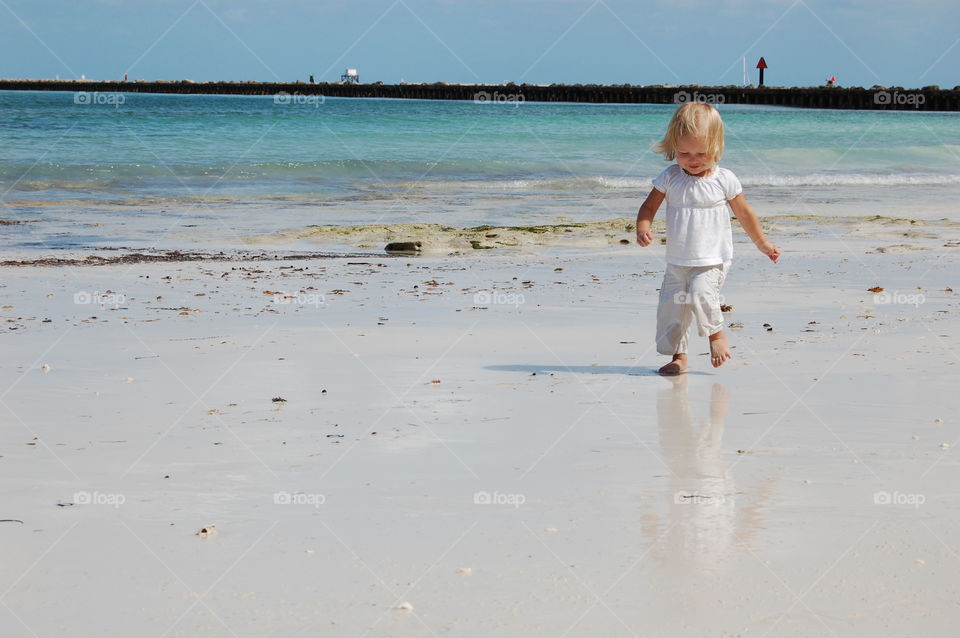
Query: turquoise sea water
x,y
128,168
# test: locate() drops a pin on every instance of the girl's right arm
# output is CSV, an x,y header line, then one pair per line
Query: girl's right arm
x,y
645,216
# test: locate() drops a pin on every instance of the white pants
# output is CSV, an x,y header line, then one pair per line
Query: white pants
x,y
689,292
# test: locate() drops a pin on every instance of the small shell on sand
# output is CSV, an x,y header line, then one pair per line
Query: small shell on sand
x,y
207,531
403,607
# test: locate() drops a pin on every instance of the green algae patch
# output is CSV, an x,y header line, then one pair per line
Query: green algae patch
x,y
537,230
442,238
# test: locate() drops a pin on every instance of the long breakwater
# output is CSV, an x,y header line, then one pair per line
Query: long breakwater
x,y
930,98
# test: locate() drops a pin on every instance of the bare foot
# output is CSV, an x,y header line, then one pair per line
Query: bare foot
x,y
719,349
677,366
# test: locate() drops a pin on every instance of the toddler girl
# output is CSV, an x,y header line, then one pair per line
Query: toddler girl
x,y
699,239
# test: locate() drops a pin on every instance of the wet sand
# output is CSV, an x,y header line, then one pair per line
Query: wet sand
x,y
478,444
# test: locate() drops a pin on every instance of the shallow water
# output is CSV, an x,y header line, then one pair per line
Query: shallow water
x,y
167,171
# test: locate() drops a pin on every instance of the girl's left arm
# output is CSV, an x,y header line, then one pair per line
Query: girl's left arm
x,y
748,219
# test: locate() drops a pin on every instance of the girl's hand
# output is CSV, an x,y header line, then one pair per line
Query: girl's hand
x,y
644,238
770,250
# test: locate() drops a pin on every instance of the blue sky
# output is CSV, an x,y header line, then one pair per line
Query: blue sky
x,y
538,41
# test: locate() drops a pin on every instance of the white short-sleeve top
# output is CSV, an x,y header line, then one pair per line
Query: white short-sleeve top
x,y
698,216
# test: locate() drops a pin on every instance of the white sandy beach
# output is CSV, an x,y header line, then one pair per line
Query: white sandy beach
x,y
478,445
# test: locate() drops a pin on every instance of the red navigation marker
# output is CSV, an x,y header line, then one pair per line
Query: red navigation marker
x,y
762,64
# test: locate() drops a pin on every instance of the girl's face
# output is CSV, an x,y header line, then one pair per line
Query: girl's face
x,y
692,156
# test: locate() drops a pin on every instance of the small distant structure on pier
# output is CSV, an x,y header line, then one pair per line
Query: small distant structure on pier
x,y
351,76
762,65
832,80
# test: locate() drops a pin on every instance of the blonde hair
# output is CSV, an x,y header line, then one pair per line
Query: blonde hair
x,y
699,120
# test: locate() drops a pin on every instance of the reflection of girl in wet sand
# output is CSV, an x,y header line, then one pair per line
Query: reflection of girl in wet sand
x,y
703,508
707,524
704,543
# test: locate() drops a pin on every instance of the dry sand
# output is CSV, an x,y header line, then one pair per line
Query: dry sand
x,y
478,445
